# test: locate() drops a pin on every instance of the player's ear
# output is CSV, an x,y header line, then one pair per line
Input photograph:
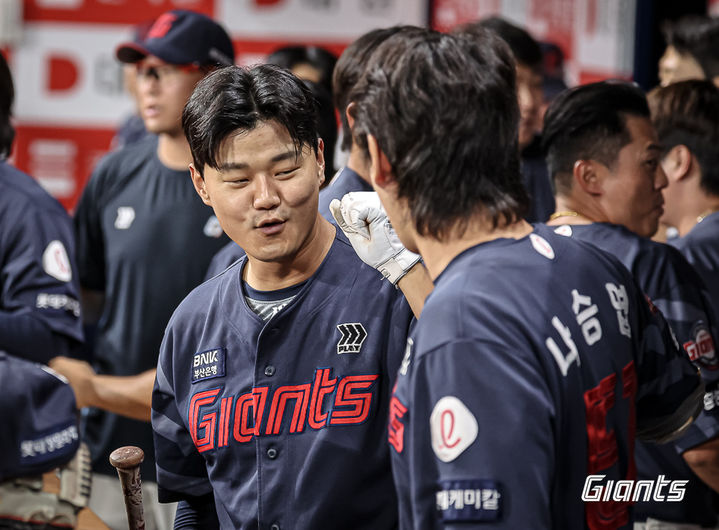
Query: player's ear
x,y
199,182
321,160
677,163
380,170
587,174
349,112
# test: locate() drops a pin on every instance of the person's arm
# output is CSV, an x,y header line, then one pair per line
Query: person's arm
x,y
704,462
24,335
197,512
129,396
416,286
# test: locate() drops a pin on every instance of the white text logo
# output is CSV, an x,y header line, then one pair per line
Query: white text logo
x,y
659,490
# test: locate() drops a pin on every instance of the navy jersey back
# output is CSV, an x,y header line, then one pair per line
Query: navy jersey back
x,y
677,290
38,276
284,420
534,364
145,239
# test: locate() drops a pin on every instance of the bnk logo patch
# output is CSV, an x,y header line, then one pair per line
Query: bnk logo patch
x,y
208,364
353,335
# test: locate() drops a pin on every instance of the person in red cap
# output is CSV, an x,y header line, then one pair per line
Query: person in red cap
x,y
144,241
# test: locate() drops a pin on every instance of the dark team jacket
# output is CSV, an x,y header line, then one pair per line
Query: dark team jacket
x,y
535,176
39,294
534,365
145,239
677,290
284,420
39,419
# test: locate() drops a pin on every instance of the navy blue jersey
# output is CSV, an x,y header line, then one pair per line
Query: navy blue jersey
x,y
675,288
145,239
227,255
39,294
344,182
701,248
537,182
534,364
39,419
285,421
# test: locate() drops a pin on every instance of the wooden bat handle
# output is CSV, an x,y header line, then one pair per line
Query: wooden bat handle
x,y
127,461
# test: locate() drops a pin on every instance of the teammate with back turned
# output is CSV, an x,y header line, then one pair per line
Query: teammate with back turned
x,y
604,156
536,359
274,377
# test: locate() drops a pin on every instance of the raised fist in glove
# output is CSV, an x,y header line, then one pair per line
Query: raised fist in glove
x,y
362,218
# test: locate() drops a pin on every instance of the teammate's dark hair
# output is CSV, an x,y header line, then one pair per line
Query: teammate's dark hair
x,y
235,98
322,60
698,36
326,125
687,113
348,70
443,109
7,96
589,122
525,49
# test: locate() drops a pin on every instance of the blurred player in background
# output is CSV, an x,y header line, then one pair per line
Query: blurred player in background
x,y
271,402
691,51
526,333
144,241
39,291
604,156
528,56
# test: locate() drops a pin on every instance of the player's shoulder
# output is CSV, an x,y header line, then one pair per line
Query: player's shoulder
x,y
344,257
21,192
209,294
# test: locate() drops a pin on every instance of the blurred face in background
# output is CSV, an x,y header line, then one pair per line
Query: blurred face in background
x,y
529,95
162,91
675,66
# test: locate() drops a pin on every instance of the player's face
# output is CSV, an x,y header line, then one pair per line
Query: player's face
x,y
675,66
632,187
162,91
529,95
265,195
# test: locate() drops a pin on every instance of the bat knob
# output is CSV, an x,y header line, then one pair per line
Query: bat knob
x,y
127,457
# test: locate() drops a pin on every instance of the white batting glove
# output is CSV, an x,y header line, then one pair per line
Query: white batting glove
x,y
362,218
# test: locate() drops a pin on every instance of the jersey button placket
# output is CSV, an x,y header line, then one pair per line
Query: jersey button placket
x,y
272,453
275,527
269,370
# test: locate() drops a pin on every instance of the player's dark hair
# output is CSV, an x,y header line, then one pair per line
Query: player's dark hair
x,y
589,122
7,96
525,49
290,56
348,70
698,36
326,125
687,113
235,98
443,109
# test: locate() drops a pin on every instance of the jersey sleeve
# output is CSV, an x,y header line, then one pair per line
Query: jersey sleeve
x,y
475,437
88,233
681,296
181,471
39,294
670,390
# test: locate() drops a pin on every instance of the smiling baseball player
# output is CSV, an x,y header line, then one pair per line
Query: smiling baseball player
x,y
271,401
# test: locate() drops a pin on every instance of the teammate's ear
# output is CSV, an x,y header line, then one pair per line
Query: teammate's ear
x,y
588,175
321,160
349,112
199,182
380,170
678,162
